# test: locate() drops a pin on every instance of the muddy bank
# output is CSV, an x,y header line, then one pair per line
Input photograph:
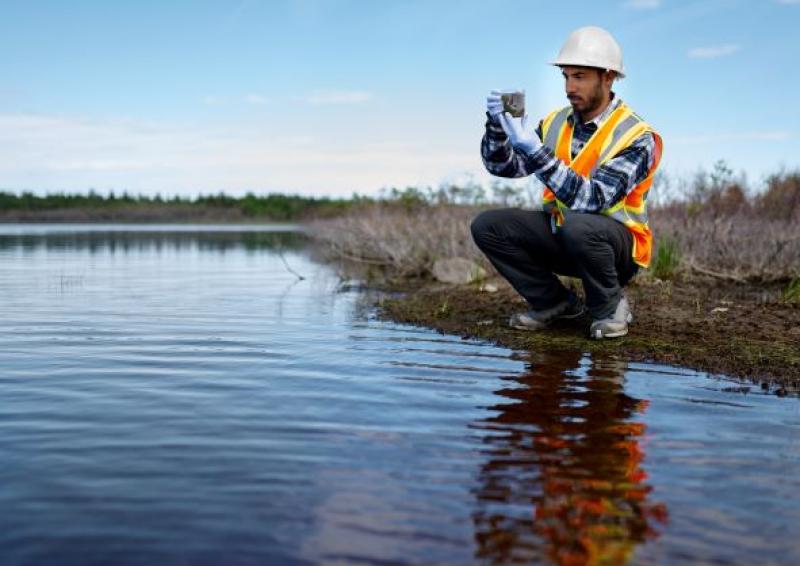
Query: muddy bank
x,y
743,331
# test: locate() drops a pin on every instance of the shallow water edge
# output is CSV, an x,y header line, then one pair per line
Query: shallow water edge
x,y
679,323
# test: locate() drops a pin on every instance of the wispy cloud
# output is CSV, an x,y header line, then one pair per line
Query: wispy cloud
x,y
339,97
788,2
767,135
210,100
713,52
642,4
173,158
255,99
250,98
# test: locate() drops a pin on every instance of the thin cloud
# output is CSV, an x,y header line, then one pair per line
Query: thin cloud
x,y
255,99
339,97
788,2
210,100
96,165
152,156
713,52
642,4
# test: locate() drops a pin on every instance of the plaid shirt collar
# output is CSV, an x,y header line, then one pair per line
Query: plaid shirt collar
x,y
595,122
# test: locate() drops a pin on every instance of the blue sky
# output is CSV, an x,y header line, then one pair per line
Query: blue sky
x,y
331,97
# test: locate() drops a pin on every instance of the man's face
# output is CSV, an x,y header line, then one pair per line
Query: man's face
x,y
585,88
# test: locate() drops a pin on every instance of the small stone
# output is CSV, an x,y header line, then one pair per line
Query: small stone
x,y
457,271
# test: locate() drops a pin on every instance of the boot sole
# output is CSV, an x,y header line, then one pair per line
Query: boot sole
x,y
599,335
547,325
528,328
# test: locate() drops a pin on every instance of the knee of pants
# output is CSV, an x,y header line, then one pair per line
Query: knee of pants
x,y
483,224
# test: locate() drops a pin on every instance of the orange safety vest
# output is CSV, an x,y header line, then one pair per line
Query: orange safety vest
x,y
615,133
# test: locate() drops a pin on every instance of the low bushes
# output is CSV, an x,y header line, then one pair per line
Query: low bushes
x,y
716,227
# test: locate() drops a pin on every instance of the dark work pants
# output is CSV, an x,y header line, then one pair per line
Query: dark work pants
x,y
593,247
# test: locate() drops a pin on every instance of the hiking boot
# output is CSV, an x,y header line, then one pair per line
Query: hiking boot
x,y
571,307
615,325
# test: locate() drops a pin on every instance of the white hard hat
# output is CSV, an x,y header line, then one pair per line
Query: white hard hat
x,y
591,46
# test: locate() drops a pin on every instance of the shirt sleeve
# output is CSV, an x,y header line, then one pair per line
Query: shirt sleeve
x,y
499,157
607,186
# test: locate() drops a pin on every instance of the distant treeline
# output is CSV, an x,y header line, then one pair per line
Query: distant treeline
x,y
95,206
717,192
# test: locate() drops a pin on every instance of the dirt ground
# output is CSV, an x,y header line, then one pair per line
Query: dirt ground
x,y
742,331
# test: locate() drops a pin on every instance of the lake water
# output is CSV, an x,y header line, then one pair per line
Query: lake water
x,y
175,395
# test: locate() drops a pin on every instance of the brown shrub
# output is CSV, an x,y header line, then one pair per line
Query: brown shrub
x,y
742,246
714,229
398,240
781,199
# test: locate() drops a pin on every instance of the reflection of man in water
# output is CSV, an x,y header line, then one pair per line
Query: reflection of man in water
x,y
567,442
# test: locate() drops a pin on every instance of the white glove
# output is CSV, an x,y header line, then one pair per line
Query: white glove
x,y
494,104
521,132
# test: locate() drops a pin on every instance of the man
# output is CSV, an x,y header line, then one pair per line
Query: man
x,y
596,159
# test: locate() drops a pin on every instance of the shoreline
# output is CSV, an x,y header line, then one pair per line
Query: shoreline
x,y
743,331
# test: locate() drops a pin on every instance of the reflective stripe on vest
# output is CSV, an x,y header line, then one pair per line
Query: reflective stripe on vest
x,y
614,134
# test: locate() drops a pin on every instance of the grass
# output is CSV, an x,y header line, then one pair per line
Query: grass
x,y
791,294
667,259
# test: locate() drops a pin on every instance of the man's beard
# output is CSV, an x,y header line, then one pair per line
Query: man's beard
x,y
591,104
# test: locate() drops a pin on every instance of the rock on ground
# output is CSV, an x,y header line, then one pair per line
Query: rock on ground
x,y
457,271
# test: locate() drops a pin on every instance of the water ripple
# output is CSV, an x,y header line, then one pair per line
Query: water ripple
x,y
181,398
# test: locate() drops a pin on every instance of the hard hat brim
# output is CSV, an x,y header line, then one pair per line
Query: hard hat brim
x,y
562,63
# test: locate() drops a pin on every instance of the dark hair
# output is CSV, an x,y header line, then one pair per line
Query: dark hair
x,y
602,72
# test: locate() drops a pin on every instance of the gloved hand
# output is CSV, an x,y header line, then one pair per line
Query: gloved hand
x,y
521,132
494,105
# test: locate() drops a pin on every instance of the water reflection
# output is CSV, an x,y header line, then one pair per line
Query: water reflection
x,y
95,241
564,481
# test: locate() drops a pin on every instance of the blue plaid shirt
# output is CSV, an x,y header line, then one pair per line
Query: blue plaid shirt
x,y
609,184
